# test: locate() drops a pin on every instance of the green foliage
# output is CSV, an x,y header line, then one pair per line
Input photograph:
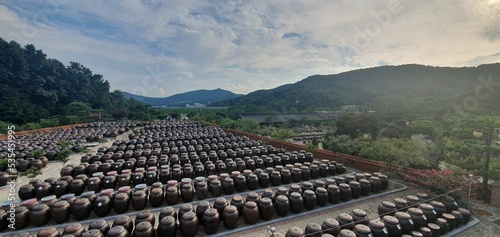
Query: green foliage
x,y
31,173
63,143
41,92
357,124
63,155
283,134
38,153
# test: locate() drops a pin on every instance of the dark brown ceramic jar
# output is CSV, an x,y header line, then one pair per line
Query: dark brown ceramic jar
x,y
101,225
238,202
167,227
346,221
92,233
26,192
392,225
386,208
266,208
139,200
418,217
429,212
251,212
172,195
187,193
405,222
75,229
185,208
124,222
168,211
294,232
331,226
310,199
40,214
77,186
102,206
94,184
313,230
145,215
230,217
282,205
156,197
123,180
22,217
43,189
143,229
118,231
48,232
60,211
359,216
189,224
401,204
81,208
121,203
211,220
296,202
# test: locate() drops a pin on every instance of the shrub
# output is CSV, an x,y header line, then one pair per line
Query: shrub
x,y
452,181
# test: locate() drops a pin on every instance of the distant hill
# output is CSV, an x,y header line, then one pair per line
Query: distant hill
x,y
206,97
407,83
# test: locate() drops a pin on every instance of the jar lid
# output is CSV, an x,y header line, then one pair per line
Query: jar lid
x,y
39,207
402,215
415,211
186,207
265,201
211,212
331,223
359,212
346,233
295,231
143,226
345,217
425,206
362,229
400,201
379,224
168,220
390,220
388,204
251,204
117,231
189,216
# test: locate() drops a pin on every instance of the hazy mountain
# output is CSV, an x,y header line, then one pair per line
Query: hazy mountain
x,y
366,86
206,97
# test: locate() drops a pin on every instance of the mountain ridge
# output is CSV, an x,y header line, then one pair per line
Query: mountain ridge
x,y
203,96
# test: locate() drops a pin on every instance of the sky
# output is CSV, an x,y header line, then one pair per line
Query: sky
x,y
159,48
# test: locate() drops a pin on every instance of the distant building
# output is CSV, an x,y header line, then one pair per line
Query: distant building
x,y
195,105
266,118
353,109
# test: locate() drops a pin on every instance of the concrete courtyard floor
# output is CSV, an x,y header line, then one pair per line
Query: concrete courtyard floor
x,y
488,216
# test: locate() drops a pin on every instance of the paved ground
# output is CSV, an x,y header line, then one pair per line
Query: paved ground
x,y
485,228
488,216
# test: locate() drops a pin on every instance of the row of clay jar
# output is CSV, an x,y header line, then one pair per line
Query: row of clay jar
x,y
241,181
304,196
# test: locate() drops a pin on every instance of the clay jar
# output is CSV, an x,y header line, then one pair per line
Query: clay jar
x,y
156,197
48,232
238,202
201,208
230,217
60,211
322,196
215,188
331,226
40,214
124,222
187,193
92,233
168,211
102,206
75,229
118,231
211,221
139,200
94,184
220,204
185,208
143,229
392,225
189,224
266,208
310,199
167,227
282,205
101,225
252,182
172,195
359,216
241,183
81,208
228,186
345,192
27,191
121,203
346,221
386,208
294,232
405,222
418,217
429,212
313,230
202,190
296,202
251,212
333,193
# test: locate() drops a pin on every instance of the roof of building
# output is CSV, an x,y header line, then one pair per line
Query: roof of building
x,y
280,117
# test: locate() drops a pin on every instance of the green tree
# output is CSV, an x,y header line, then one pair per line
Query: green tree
x,y
357,124
282,135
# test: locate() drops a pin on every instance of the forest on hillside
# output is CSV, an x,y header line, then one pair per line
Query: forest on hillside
x,y
37,91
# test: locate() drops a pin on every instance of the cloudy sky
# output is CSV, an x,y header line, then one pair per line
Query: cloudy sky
x,y
160,48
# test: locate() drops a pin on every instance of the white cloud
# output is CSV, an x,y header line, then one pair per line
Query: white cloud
x,y
160,48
